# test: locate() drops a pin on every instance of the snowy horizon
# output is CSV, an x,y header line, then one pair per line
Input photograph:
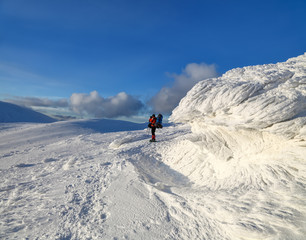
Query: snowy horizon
x,y
124,106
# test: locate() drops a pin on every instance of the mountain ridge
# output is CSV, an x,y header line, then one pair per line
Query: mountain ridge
x,y
12,113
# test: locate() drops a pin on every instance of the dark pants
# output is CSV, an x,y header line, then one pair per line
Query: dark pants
x,y
153,132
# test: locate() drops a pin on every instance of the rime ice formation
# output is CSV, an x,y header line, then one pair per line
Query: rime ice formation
x,y
248,144
253,114
268,98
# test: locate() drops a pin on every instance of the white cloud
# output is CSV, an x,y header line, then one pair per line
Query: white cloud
x,y
116,106
169,97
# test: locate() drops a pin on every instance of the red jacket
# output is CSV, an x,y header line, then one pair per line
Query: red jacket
x,y
152,120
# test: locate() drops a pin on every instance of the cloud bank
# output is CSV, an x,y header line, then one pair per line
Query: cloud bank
x,y
89,105
169,97
38,102
116,106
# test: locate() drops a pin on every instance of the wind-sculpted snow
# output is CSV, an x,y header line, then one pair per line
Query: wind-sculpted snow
x,y
248,148
255,97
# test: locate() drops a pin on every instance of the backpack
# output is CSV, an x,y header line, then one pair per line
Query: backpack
x,y
159,121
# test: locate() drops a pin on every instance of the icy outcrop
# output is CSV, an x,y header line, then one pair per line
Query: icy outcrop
x,y
248,126
268,98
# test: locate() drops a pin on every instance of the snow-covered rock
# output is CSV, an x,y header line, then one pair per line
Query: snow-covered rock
x,y
254,97
249,115
248,142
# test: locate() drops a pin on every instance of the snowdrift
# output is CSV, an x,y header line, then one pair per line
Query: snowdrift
x,y
250,115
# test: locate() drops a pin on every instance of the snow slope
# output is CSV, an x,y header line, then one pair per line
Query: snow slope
x,y
59,181
13,113
232,167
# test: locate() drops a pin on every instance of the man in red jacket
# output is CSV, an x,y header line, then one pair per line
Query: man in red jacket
x,y
152,125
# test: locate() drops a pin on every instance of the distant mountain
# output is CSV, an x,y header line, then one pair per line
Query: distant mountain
x,y
13,113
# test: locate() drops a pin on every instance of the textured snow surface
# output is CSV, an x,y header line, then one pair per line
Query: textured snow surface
x,y
235,170
255,97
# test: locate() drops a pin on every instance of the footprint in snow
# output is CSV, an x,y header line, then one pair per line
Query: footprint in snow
x,y
24,165
48,160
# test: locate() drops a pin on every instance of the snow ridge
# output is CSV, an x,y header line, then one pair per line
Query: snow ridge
x,y
14,113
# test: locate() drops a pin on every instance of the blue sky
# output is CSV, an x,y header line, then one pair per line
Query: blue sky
x,y
93,57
